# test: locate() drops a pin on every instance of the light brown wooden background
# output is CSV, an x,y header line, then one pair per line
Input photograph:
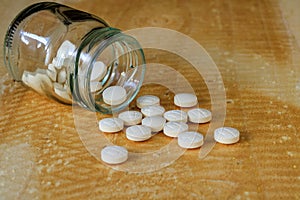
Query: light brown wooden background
x,y
256,47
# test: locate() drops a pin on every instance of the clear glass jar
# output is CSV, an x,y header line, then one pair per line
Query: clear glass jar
x,y
72,56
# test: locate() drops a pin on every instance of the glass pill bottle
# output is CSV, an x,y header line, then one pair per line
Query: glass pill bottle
x,y
72,56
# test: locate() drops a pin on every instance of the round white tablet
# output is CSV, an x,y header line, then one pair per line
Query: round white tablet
x,y
154,110
172,129
190,140
114,154
226,135
199,115
185,100
147,100
114,95
111,125
156,123
176,116
98,71
138,133
131,117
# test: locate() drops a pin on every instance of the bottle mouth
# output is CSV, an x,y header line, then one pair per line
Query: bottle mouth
x,y
105,58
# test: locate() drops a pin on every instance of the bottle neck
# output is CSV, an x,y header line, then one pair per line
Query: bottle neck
x,y
123,64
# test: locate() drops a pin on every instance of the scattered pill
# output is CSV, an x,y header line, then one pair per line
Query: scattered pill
x,y
114,154
199,115
185,100
147,100
111,125
154,110
114,95
172,129
190,140
226,135
98,71
156,123
138,133
131,117
176,116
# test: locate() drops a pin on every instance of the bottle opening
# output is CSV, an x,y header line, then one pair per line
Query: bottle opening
x,y
109,71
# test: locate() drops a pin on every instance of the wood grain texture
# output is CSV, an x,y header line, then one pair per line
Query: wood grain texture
x,y
255,46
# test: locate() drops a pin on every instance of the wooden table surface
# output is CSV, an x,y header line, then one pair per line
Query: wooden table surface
x,y
255,45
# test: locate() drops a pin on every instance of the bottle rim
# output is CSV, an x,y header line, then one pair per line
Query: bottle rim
x,y
101,38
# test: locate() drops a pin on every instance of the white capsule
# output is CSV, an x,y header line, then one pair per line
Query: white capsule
x,y
190,140
131,117
226,135
114,95
111,125
156,123
153,110
138,133
147,100
114,154
176,116
98,71
199,115
185,100
172,129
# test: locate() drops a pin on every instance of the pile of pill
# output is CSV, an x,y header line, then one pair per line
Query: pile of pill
x,y
153,118
54,78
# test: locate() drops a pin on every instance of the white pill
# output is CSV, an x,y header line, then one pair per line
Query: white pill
x,y
199,115
176,116
138,133
95,86
114,154
190,140
147,100
114,95
153,110
51,67
226,135
98,71
111,125
185,100
62,76
61,91
37,80
58,62
131,117
66,49
172,129
156,123
52,75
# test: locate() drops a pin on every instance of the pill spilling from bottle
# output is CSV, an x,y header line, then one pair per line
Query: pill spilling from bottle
x,y
173,123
